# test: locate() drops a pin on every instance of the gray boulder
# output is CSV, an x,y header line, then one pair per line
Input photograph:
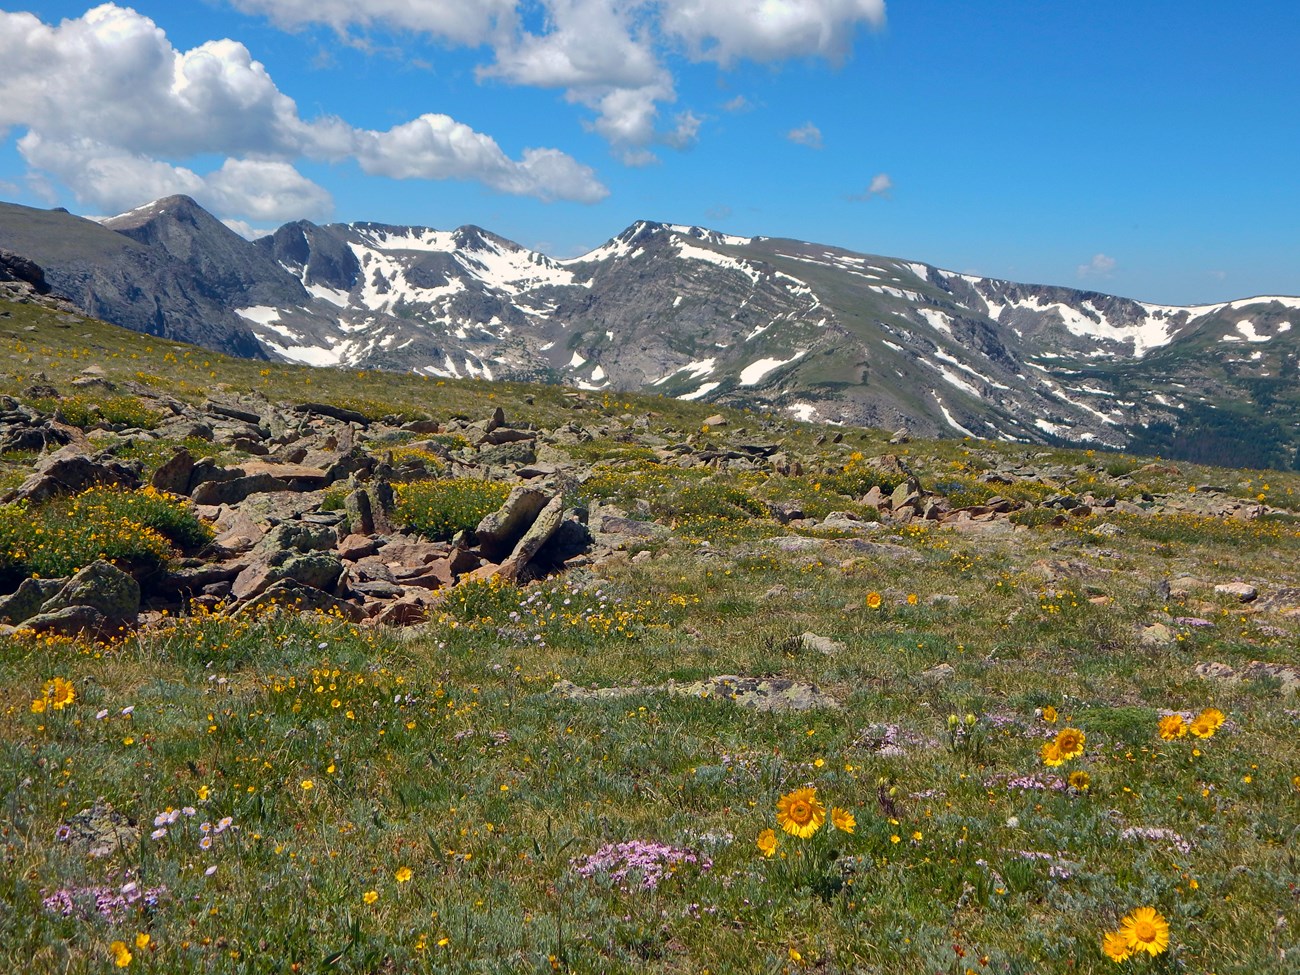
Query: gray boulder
x,y
103,587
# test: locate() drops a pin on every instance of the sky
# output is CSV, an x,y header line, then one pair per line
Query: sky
x,y
1149,149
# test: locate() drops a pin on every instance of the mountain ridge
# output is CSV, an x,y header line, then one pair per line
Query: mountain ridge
x,y
811,330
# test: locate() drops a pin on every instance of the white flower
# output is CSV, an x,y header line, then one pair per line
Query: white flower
x,y
210,871
1013,822
158,834
101,715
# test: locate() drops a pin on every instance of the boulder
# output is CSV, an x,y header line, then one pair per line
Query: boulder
x,y
103,587
173,475
319,570
292,595
500,532
68,471
85,621
27,600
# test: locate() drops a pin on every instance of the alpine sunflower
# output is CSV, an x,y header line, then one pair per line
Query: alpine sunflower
x,y
799,813
1051,754
842,820
1145,929
1115,947
1080,781
60,693
1069,742
767,842
1202,727
1172,726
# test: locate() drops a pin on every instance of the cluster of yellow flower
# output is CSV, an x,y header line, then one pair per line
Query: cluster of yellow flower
x,y
1145,929
800,813
1204,725
58,694
1067,744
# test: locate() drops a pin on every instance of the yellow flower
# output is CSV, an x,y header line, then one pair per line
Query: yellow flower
x,y
895,838
1145,929
60,693
403,874
1049,714
1172,726
917,836
1214,716
1080,781
767,842
799,813
1069,742
121,956
142,941
38,705
1204,726
1051,754
370,896
1115,947
842,819
873,600
204,792
308,784
911,599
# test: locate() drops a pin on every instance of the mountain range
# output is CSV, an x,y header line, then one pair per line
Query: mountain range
x,y
812,331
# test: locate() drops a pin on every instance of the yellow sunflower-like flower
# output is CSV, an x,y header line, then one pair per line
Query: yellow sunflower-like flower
x,y
1115,947
873,600
38,705
843,820
1172,726
767,842
60,693
1080,781
1145,929
1051,754
1049,714
1069,742
1203,727
799,813
1215,716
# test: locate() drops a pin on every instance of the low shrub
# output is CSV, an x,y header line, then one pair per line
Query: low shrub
x,y
439,509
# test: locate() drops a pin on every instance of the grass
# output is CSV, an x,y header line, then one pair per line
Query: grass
x,y
339,757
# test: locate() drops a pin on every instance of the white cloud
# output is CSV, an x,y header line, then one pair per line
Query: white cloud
x,y
880,185
610,56
727,31
738,104
110,108
1100,266
463,21
806,135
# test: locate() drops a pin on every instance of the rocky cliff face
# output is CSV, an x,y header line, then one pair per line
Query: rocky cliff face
x,y
810,330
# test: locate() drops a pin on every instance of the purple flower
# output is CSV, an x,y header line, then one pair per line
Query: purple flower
x,y
637,864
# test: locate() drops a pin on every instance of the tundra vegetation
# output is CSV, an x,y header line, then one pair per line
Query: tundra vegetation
x,y
983,708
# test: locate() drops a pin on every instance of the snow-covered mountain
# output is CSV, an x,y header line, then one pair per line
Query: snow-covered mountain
x,y
812,331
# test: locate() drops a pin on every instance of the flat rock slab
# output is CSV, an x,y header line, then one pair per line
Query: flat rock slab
x,y
756,693
1287,677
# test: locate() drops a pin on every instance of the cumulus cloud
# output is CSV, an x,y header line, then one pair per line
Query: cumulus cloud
x,y
727,31
609,56
1100,266
806,135
880,185
110,108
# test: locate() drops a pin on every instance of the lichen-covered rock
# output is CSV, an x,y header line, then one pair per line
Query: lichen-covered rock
x,y
102,586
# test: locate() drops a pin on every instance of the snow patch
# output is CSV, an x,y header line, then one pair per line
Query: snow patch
x,y
261,314
803,411
753,373
702,391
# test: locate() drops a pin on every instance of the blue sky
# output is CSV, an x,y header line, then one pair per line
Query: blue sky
x,y
1150,150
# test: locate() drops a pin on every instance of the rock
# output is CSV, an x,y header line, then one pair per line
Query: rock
x,y
319,570
500,532
1213,670
756,693
27,600
1243,592
103,587
236,490
938,674
1157,635
1284,600
717,420
85,621
943,601
101,831
293,595
546,524
820,644
900,436
361,521
333,412
173,476
355,547
297,536
616,525
67,471
1287,677
191,581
